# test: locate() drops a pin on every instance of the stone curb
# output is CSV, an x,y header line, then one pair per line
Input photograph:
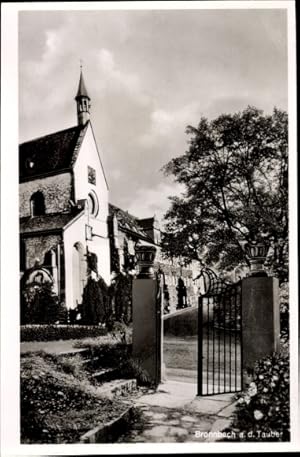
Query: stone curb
x,y
116,387
109,432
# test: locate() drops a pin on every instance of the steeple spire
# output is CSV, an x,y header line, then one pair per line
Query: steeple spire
x,y
83,101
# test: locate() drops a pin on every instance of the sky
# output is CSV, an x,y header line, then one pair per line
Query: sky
x,y
149,74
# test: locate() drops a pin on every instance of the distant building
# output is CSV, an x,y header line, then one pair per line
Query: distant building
x,y
65,214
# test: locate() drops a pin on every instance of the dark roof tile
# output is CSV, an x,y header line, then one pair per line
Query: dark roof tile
x,y
127,221
46,222
50,153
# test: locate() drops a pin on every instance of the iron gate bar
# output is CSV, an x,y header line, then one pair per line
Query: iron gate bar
x,y
235,341
200,346
213,336
224,334
219,352
241,333
220,308
230,303
207,367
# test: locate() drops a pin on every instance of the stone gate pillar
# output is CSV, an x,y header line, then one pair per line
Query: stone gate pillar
x,y
147,315
260,310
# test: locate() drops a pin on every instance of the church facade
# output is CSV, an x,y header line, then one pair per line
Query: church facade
x,y
65,213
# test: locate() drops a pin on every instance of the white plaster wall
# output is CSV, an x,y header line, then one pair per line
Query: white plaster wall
x,y
88,155
100,246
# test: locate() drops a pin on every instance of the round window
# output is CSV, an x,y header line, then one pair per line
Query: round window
x,y
93,204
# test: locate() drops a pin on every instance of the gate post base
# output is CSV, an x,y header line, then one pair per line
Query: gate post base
x,y
147,327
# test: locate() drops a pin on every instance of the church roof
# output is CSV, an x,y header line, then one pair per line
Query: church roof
x,y
127,221
82,92
50,153
47,222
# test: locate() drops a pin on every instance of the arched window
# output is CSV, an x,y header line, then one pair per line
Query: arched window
x,y
93,205
37,204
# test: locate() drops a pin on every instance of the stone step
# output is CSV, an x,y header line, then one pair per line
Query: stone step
x,y
89,360
74,351
117,387
106,374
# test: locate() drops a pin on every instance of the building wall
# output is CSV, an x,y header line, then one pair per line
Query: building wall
x,y
75,233
89,156
171,271
37,246
172,274
56,190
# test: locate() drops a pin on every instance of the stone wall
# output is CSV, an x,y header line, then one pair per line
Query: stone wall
x,y
172,274
37,246
171,270
56,190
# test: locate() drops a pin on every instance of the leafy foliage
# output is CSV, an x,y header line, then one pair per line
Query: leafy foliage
x,y
235,178
263,411
284,311
121,297
108,351
40,305
132,369
59,332
95,302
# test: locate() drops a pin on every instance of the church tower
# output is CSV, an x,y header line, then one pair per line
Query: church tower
x,y
83,102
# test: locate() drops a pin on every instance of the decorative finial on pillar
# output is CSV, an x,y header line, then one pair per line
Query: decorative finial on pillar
x,y
256,251
145,256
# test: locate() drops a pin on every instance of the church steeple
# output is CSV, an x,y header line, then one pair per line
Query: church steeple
x,y
83,102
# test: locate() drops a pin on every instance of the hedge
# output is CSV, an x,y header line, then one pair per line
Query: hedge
x,y
59,332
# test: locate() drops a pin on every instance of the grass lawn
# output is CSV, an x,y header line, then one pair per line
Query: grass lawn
x,y
182,354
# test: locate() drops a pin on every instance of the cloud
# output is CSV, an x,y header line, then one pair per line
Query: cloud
x,y
170,124
147,82
115,174
150,201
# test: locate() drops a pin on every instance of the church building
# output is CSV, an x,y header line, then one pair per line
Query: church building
x,y
64,205
65,216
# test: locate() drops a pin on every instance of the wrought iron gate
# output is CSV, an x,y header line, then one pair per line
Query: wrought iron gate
x,y
219,336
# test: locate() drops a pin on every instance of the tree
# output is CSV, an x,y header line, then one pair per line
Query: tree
x,y
235,179
95,298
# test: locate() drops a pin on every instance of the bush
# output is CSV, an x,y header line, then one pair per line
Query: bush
x,y
121,297
132,369
40,305
59,332
95,302
263,411
71,365
108,351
